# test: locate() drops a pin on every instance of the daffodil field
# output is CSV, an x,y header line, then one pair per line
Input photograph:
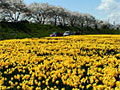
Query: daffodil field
x,y
85,62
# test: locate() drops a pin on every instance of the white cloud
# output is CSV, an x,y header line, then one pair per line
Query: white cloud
x,y
109,5
115,16
112,8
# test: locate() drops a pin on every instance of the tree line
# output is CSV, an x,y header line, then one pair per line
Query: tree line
x,y
43,13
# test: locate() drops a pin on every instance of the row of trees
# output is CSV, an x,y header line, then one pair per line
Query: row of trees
x,y
17,10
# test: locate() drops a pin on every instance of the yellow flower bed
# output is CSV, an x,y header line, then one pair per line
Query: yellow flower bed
x,y
86,62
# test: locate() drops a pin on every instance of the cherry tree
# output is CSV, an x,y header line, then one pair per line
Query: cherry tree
x,y
14,11
44,13
39,12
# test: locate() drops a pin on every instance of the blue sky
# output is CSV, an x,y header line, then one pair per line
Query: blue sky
x,y
97,8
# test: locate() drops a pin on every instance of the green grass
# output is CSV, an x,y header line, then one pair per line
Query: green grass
x,y
35,30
